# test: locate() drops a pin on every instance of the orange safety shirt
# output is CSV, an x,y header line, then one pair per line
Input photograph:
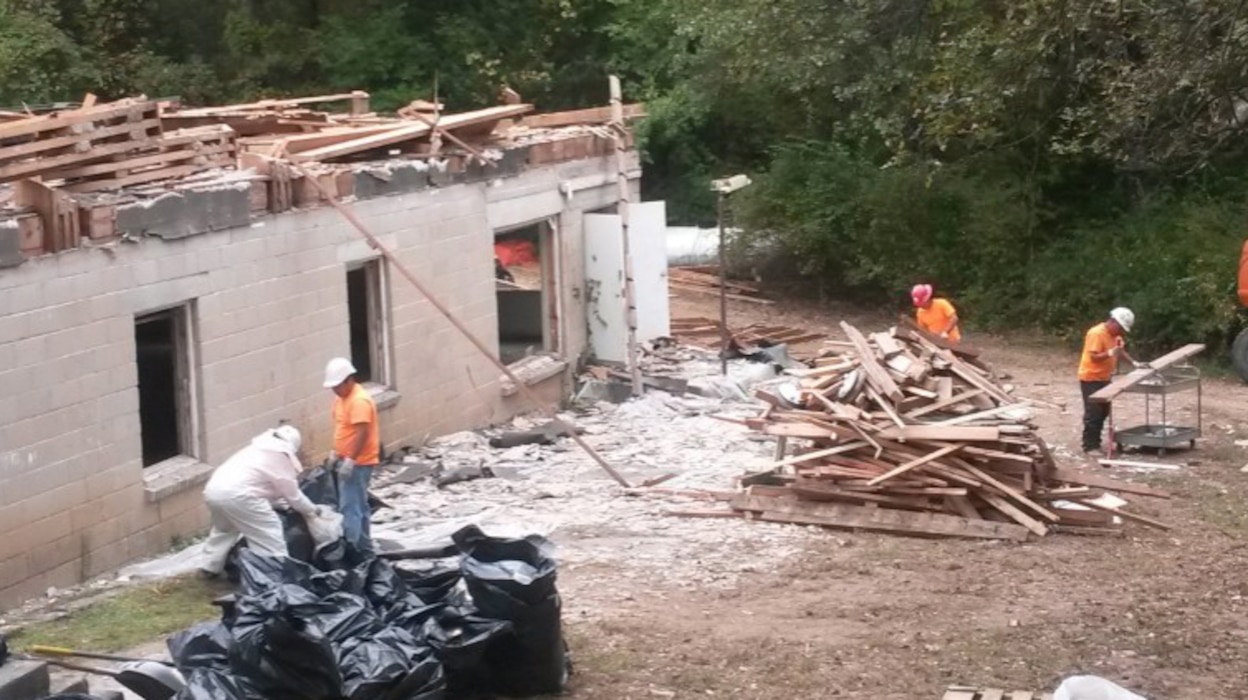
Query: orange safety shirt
x,y
1097,340
936,317
352,414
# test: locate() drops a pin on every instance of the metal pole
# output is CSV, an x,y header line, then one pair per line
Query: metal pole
x,y
459,326
619,132
724,336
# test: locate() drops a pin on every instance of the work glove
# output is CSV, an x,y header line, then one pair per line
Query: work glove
x,y
1143,365
1115,351
346,465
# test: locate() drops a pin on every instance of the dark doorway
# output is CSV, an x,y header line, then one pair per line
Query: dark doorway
x,y
156,350
358,309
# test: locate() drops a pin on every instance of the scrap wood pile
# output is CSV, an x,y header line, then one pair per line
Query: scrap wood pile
x,y
905,433
108,146
91,147
705,279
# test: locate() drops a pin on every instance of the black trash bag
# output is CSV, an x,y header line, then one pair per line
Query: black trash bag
x,y
320,485
461,646
434,584
279,651
299,542
206,645
325,583
233,570
215,684
514,580
411,613
343,617
390,664
339,555
382,584
260,573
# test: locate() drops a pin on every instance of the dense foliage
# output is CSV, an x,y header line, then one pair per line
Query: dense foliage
x,y
1039,160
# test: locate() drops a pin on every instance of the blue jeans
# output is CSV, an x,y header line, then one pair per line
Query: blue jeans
x,y
353,504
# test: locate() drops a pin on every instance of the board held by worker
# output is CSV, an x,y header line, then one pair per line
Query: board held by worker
x,y
244,491
934,314
357,449
1103,344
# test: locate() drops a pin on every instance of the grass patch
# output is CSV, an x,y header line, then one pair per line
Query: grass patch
x,y
128,619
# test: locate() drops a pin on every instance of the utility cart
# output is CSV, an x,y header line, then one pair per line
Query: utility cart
x,y
1159,390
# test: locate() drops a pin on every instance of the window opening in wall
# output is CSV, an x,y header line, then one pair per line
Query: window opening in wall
x,y
164,355
525,272
369,326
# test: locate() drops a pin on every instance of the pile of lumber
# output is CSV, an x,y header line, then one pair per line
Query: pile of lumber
x,y
704,279
706,333
902,432
52,146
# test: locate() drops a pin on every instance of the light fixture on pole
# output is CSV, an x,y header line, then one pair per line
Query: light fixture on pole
x,y
723,188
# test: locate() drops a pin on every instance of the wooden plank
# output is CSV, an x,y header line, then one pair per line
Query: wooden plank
x,y
962,349
818,454
798,430
875,371
80,142
946,403
1084,478
1129,380
1012,512
991,694
971,417
887,344
1125,515
410,132
271,104
958,433
846,516
959,695
1137,465
135,179
914,463
1011,492
593,115
708,290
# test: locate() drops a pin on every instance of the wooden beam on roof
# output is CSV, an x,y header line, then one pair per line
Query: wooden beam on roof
x,y
594,115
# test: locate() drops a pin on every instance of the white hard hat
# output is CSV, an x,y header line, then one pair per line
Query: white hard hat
x,y
337,371
1124,317
290,434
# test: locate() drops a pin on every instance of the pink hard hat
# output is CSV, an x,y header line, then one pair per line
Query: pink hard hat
x,y
921,294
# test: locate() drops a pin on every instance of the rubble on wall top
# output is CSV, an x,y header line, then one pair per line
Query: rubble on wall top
x,y
62,172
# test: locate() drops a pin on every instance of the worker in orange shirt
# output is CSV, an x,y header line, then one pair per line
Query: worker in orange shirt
x,y
357,449
1103,344
935,315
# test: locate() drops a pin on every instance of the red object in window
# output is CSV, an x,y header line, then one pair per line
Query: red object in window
x,y
515,253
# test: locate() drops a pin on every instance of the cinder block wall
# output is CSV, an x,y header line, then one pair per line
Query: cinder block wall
x,y
271,309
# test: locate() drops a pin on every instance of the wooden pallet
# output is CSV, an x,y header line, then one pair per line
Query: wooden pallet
x,y
958,692
176,154
43,146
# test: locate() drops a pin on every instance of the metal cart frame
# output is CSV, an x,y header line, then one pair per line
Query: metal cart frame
x,y
1162,435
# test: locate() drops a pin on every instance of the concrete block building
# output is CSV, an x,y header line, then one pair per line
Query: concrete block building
x,y
185,321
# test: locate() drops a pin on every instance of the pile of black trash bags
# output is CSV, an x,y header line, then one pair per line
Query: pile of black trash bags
x,y
330,623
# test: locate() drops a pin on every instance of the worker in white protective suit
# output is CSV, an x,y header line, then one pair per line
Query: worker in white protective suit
x,y
243,492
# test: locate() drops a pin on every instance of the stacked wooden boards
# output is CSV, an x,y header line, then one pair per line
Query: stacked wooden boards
x,y
706,333
902,433
706,280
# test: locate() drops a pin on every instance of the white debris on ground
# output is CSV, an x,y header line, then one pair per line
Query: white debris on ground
x,y
613,540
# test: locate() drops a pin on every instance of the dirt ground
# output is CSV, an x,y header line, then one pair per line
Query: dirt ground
x,y
884,617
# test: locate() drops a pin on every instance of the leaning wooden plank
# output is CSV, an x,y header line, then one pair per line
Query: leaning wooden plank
x,y
594,115
875,371
915,463
951,433
1012,512
1011,492
845,516
1084,478
1123,514
1127,381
